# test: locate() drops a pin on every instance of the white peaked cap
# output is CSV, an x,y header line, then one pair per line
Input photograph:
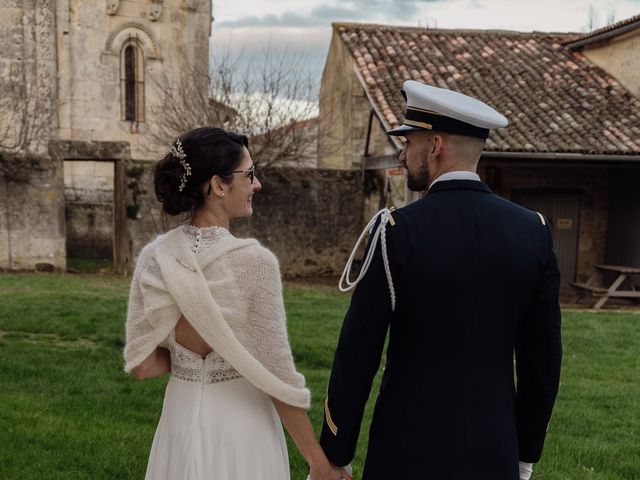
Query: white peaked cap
x,y
439,109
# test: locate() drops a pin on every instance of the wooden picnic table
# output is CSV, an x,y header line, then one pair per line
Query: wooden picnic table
x,y
614,290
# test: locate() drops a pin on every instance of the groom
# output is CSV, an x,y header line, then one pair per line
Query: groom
x,y
476,282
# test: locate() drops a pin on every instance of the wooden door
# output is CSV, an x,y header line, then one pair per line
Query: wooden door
x,y
563,212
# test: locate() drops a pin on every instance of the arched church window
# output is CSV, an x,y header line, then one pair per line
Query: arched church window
x,y
132,82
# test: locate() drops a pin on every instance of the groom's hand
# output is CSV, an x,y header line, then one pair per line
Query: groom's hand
x,y
526,469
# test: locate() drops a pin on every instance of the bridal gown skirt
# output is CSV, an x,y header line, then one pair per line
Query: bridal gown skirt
x,y
227,430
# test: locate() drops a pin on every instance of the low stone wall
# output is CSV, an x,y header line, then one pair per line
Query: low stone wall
x,y
309,218
145,220
32,224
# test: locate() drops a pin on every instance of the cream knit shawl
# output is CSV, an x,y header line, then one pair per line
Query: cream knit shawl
x,y
232,296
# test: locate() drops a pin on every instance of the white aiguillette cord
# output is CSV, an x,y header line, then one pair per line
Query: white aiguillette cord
x,y
385,216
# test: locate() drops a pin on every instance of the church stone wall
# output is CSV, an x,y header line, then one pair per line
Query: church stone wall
x,y
27,75
32,224
32,228
174,36
60,80
89,199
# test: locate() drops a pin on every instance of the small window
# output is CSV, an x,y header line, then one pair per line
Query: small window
x,y
132,82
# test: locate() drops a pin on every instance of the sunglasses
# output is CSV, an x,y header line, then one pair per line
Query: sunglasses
x,y
250,174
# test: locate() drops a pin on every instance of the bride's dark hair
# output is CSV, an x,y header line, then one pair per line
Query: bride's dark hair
x,y
209,151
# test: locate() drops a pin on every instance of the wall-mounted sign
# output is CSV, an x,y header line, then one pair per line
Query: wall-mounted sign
x,y
564,224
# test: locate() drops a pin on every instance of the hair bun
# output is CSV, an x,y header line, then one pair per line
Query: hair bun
x,y
167,176
192,160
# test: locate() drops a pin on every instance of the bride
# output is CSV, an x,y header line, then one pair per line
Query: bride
x,y
207,307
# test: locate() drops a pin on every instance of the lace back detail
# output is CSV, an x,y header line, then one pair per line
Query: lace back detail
x,y
204,237
190,366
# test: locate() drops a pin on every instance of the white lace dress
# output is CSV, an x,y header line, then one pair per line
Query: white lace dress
x,y
215,425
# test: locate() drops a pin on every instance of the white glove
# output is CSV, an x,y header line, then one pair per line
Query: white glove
x,y
526,469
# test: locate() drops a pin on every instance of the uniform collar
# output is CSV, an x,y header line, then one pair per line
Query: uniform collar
x,y
456,175
458,185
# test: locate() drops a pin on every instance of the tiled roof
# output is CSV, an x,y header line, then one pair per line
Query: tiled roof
x,y
556,100
595,36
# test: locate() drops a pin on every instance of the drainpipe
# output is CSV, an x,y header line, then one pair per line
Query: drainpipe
x,y
366,145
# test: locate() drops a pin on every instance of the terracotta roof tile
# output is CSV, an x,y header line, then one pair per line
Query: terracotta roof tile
x,y
595,36
556,100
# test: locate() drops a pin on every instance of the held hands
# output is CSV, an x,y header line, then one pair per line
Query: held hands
x,y
330,472
346,472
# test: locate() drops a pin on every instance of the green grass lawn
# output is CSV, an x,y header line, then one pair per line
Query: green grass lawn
x,y
68,411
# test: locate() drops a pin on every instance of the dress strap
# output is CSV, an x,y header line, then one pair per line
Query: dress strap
x,y
380,232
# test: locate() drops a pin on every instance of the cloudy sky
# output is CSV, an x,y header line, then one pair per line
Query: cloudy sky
x,y
245,29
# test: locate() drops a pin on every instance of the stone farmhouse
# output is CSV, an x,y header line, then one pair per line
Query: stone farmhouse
x,y
572,147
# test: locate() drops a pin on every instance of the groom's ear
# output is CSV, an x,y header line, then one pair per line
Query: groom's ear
x,y
438,141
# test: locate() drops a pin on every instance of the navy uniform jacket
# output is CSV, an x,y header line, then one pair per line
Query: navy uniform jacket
x,y
476,280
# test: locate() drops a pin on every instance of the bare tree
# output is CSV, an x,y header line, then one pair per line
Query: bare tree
x,y
592,19
272,106
24,116
611,15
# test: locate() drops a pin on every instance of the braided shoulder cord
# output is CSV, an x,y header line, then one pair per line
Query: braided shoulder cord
x,y
384,215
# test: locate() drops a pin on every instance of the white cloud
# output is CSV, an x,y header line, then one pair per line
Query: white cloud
x,y
303,27
527,15
316,13
524,15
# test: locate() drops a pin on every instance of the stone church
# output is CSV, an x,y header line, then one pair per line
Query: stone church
x,y
83,83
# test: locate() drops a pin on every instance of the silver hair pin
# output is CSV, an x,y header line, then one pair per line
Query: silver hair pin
x,y
177,151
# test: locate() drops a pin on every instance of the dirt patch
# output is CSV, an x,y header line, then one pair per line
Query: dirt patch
x,y
50,339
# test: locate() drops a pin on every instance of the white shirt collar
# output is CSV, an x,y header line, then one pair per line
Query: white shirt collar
x,y
457,175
